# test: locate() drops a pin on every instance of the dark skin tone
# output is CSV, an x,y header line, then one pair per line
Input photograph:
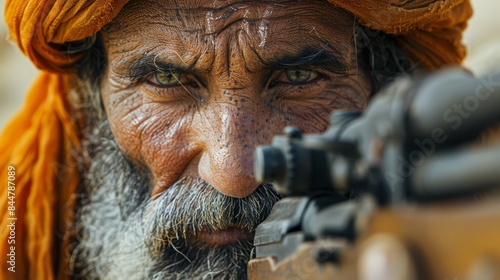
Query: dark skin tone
x,y
193,91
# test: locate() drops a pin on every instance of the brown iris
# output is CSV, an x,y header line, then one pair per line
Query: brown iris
x,y
167,79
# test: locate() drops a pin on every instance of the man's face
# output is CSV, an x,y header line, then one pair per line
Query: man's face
x,y
192,87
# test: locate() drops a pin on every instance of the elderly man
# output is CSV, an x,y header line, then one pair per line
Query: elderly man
x,y
133,155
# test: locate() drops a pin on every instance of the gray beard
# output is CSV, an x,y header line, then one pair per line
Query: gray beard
x,y
123,232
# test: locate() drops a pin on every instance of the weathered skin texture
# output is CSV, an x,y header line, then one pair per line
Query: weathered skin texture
x,y
233,92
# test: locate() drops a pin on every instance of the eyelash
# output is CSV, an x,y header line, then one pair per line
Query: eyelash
x,y
275,79
145,75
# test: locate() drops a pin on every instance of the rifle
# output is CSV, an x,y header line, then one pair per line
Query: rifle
x,y
388,193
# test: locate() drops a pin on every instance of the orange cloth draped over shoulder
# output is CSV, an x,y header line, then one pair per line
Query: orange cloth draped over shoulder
x,y
36,164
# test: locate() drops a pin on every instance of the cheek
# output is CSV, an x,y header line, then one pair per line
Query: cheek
x,y
165,140
150,134
310,117
312,114
124,117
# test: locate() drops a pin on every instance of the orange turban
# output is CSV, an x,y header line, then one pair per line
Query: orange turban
x,y
38,140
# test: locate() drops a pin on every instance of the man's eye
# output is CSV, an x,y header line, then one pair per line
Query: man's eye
x,y
167,79
300,76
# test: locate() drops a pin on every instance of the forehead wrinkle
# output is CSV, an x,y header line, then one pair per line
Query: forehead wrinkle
x,y
186,12
250,59
186,45
218,20
218,16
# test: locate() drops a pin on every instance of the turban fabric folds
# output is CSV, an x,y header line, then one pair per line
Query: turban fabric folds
x,y
430,31
37,142
39,139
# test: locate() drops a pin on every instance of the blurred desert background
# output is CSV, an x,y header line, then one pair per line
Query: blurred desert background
x,y
482,38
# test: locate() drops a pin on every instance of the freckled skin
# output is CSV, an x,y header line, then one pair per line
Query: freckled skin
x,y
231,100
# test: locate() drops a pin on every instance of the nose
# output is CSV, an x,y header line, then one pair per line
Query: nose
x,y
236,129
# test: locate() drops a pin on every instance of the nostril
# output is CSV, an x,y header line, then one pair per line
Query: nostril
x,y
228,174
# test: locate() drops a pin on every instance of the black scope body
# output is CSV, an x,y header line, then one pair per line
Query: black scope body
x,y
452,101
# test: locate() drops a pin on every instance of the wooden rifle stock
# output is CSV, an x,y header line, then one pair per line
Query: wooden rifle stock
x,y
459,240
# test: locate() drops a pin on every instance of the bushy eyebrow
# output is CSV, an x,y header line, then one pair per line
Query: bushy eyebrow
x,y
314,58
328,60
153,63
150,64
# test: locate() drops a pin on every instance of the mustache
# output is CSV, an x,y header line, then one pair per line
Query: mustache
x,y
192,205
